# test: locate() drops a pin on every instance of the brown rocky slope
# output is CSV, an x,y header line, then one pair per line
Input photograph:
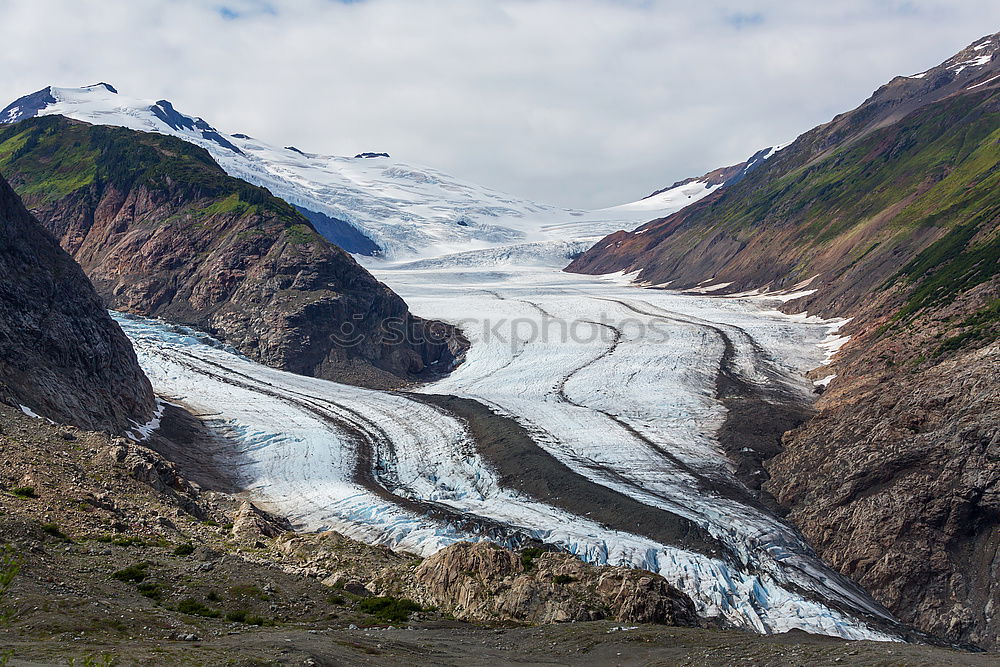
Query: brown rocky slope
x,y
896,480
892,213
126,559
162,231
61,355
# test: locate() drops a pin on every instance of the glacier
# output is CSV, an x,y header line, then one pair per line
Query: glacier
x,y
639,418
614,381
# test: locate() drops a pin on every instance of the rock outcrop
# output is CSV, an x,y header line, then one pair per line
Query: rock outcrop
x,y
61,354
485,582
252,522
162,231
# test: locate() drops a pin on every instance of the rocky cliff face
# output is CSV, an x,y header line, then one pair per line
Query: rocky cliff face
x,y
485,582
896,481
891,213
162,231
61,355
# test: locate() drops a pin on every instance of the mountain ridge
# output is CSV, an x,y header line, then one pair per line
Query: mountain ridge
x,y
162,231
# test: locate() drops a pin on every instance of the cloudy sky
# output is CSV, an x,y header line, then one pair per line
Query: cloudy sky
x,y
584,103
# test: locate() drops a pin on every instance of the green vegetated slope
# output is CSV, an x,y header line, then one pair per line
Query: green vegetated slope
x,y
51,157
917,200
162,230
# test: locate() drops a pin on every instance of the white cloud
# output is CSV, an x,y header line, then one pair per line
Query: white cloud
x,y
577,102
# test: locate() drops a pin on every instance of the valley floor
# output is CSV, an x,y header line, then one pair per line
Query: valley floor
x,y
594,643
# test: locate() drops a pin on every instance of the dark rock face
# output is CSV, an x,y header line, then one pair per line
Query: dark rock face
x,y
162,231
892,213
27,106
165,111
61,354
896,481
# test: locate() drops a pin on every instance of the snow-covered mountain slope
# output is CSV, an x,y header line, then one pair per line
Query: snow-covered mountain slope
x,y
370,204
675,197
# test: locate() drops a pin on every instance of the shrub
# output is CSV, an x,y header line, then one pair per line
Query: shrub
x,y
184,549
151,590
336,599
10,566
128,542
134,573
53,530
244,616
389,609
24,491
529,555
238,616
196,608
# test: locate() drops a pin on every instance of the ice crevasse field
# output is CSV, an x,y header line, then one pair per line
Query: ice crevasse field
x,y
615,382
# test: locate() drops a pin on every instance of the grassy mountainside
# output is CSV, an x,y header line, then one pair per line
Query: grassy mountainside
x,y
161,230
927,186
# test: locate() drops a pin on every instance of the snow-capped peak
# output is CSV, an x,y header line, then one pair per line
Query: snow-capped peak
x,y
370,203
969,60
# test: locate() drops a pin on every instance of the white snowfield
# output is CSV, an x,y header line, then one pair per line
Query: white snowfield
x,y
614,382
407,210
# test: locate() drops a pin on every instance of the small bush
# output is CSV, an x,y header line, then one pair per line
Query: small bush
x,y
529,555
389,609
563,579
336,599
184,549
212,596
24,491
195,608
53,530
244,616
10,566
238,616
134,573
128,542
151,590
